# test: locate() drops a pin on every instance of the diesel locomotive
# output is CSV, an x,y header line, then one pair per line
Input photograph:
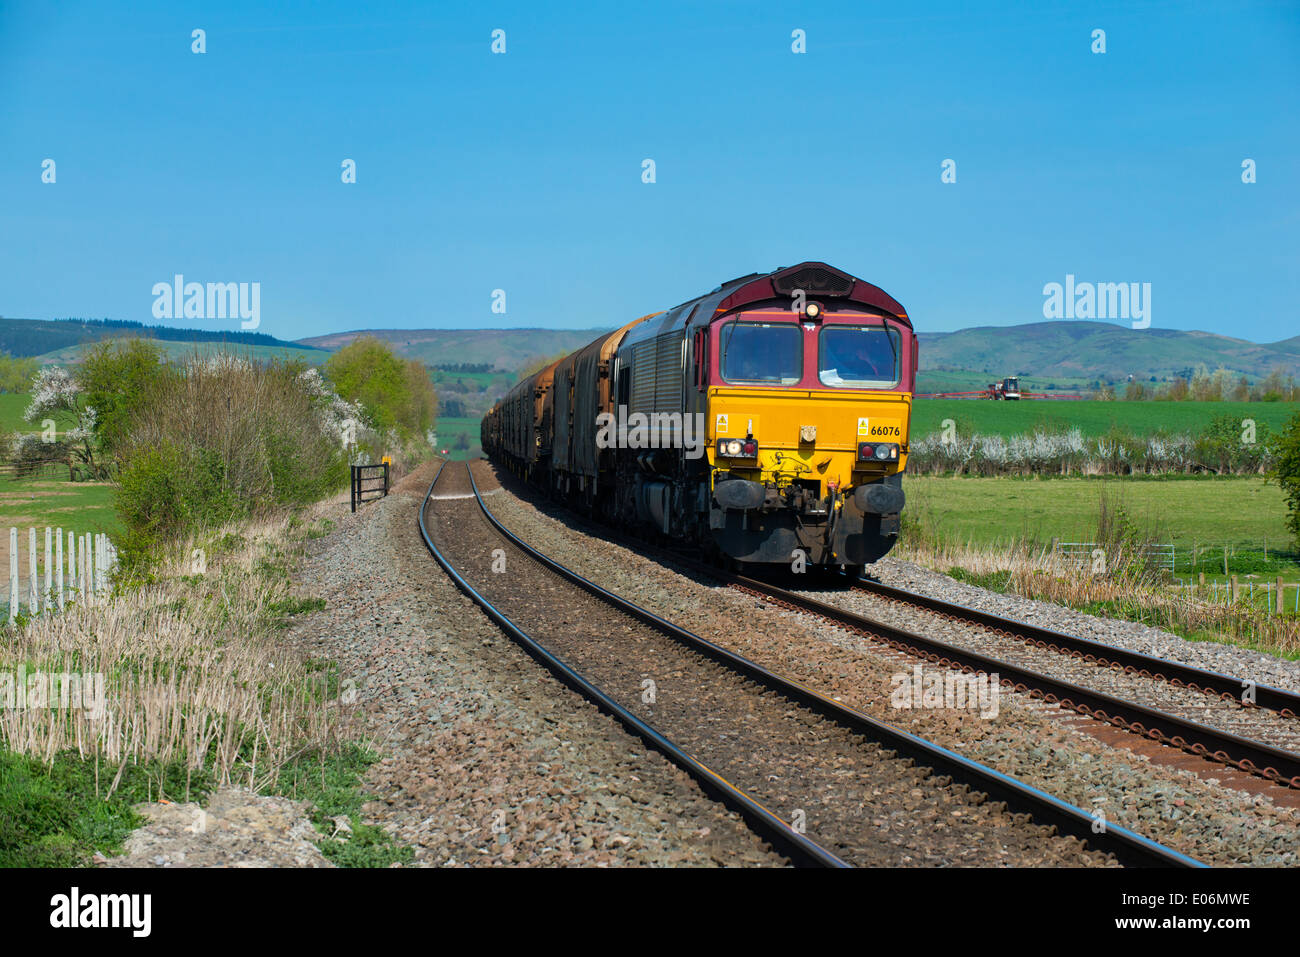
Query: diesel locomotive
x,y
765,422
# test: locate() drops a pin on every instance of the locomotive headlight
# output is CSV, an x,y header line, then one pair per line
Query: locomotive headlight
x,y
813,311
884,452
738,448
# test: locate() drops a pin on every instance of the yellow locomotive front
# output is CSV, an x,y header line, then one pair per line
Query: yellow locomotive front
x,y
808,409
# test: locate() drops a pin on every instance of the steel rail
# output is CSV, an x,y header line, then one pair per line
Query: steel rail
x,y
1135,662
799,848
1129,848
1275,764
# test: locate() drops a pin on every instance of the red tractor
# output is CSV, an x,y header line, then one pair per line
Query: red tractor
x,y
1008,388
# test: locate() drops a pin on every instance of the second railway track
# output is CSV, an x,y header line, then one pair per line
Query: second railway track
x,y
825,783
1124,689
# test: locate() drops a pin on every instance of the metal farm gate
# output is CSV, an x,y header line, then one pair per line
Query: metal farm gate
x,y
369,482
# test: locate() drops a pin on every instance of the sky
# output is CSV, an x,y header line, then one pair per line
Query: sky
x,y
524,171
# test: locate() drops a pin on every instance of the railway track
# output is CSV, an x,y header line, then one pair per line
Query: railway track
x,y
1099,682
825,784
1225,687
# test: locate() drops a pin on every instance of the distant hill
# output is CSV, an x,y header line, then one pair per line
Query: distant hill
x,y
63,340
500,348
1070,353
182,349
1084,350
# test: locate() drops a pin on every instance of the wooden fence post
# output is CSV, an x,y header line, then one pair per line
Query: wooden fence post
x,y
13,573
31,571
49,573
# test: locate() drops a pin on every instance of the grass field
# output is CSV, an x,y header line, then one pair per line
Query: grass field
x,y
1239,511
1093,418
12,407
448,429
50,500
956,380
481,380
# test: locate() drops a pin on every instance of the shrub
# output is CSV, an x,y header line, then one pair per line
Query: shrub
x,y
117,377
396,394
165,491
1222,447
56,393
1286,471
16,374
220,438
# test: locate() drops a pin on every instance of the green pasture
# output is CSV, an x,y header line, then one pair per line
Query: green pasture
x,y
478,381
1093,418
12,407
959,380
48,498
1242,513
448,429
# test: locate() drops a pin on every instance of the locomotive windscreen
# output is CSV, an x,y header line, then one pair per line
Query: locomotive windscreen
x,y
762,352
858,357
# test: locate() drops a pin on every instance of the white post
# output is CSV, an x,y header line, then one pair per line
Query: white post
x,y
13,573
31,568
58,564
86,569
72,564
49,573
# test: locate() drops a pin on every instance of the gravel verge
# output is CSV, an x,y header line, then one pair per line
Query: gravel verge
x,y
486,759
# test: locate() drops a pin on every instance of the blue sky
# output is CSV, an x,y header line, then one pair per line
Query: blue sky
x,y
523,171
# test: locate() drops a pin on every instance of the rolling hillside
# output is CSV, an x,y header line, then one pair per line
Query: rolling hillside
x,y
1100,350
180,350
63,340
501,348
1069,354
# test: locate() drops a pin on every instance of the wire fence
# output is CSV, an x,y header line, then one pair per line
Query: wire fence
x,y
1275,597
1083,553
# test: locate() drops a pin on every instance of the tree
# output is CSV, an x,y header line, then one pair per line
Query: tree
x,y
55,391
117,377
1286,471
16,374
396,394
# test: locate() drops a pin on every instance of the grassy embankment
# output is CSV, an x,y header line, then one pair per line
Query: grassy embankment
x,y
199,687
997,532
